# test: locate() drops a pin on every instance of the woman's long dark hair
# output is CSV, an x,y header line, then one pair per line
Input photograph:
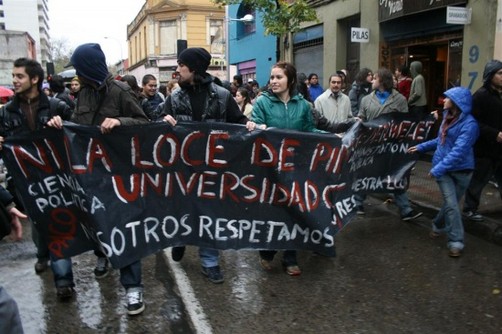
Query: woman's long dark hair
x,y
290,72
245,94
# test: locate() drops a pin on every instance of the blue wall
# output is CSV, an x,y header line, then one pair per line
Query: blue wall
x,y
255,46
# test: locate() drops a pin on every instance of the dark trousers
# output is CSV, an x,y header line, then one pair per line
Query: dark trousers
x,y
288,258
485,169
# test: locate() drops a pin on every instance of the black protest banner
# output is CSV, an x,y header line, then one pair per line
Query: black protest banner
x,y
145,188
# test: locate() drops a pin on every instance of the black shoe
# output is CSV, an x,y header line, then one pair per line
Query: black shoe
x,y
101,269
360,210
213,274
135,304
65,293
41,265
473,216
411,215
177,253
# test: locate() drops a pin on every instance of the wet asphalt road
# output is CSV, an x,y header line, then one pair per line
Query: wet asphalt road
x,y
388,277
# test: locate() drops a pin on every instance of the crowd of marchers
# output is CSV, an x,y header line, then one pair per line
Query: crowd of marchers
x,y
467,148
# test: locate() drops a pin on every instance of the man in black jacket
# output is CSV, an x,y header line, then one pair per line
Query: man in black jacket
x,y
201,100
30,110
487,109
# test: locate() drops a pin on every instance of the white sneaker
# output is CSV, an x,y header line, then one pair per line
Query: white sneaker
x,y
135,303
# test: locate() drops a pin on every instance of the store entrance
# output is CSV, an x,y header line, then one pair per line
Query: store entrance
x,y
442,64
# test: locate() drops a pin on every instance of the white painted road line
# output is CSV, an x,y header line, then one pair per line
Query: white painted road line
x,y
192,305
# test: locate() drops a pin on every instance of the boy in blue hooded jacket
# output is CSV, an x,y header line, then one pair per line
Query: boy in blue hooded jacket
x,y
452,164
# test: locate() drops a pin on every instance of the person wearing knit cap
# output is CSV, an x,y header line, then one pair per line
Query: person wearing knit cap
x,y
107,103
487,109
200,99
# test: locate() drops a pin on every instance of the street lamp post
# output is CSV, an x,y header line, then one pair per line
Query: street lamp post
x,y
248,18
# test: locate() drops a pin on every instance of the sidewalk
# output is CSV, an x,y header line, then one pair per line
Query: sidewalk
x,y
424,192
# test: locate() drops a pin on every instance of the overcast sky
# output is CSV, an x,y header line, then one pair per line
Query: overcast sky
x,y
90,21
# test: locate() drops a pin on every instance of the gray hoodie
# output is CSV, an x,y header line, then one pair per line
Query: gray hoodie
x,y
418,96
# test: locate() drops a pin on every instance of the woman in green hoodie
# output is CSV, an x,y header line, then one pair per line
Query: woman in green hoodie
x,y
282,107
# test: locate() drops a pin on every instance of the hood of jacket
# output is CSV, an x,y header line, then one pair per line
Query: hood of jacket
x,y
492,67
461,97
416,68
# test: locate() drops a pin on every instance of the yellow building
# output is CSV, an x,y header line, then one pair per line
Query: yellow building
x,y
162,28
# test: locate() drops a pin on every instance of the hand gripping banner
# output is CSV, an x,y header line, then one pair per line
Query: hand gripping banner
x,y
141,189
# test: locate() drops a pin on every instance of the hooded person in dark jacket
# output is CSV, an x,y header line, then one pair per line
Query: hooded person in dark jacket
x,y
487,109
452,164
108,103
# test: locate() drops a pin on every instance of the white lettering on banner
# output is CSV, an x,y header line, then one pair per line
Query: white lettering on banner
x,y
379,183
155,230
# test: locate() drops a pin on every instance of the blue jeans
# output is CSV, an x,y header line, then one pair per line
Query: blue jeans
x,y
449,218
130,276
62,271
209,257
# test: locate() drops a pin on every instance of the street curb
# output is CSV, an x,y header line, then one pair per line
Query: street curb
x,y
489,229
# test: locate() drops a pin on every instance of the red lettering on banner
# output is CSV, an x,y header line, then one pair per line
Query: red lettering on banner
x,y
287,150
171,140
124,195
136,155
97,152
270,160
25,159
213,149
62,229
229,182
186,147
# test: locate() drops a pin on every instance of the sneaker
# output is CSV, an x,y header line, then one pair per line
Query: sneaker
x,y
65,293
101,269
473,216
454,252
411,215
213,274
177,253
41,265
135,303
360,210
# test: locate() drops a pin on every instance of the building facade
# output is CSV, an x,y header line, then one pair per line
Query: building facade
x,y
14,45
452,38
162,28
251,53
29,16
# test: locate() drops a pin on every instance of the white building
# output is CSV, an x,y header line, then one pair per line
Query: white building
x,y
29,16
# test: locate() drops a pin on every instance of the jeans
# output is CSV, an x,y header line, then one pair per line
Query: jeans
x,y
130,276
449,218
209,257
484,170
10,321
62,270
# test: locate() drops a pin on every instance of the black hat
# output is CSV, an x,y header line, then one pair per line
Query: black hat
x,y
197,59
